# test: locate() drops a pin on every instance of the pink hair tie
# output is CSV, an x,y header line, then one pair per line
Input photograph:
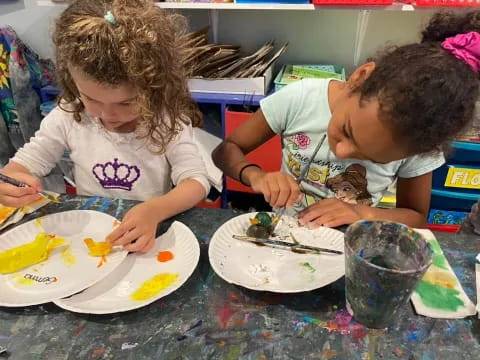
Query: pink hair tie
x,y
465,47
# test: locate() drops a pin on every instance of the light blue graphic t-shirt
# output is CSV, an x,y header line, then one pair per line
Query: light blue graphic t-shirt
x,y
300,113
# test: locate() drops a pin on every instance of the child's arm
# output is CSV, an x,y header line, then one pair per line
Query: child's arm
x,y
278,188
413,203
190,176
140,223
36,159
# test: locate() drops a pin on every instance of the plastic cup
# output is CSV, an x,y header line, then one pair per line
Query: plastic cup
x,y
384,262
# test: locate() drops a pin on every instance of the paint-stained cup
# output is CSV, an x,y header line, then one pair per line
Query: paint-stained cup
x,y
384,261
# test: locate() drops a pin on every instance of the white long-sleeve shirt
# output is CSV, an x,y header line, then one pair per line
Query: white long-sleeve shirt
x,y
110,164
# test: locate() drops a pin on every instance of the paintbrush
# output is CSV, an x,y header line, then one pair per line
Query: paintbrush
x,y
281,211
12,181
286,245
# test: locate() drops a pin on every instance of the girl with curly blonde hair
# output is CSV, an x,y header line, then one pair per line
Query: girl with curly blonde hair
x,y
125,115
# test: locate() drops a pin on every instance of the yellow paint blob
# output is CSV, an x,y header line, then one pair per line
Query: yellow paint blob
x,y
442,278
100,248
153,286
68,257
22,256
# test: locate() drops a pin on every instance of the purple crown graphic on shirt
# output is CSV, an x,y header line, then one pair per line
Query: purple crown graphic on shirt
x,y
115,175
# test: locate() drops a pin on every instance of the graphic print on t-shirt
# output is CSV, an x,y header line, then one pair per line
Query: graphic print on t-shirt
x,y
116,175
326,178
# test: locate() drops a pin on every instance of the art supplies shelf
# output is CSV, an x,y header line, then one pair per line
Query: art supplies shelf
x,y
270,6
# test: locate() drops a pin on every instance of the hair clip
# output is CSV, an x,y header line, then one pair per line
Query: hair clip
x,y
110,18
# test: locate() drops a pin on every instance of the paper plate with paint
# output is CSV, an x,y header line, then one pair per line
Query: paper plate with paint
x,y
277,270
142,278
47,258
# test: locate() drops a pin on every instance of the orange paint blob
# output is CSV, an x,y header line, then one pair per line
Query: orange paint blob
x,y
164,256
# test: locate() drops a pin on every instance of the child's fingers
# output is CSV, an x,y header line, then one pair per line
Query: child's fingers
x,y
284,193
335,222
30,180
119,232
295,196
15,191
143,244
274,192
319,221
265,190
17,202
129,237
312,212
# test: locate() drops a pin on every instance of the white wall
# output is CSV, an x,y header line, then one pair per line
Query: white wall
x,y
322,36
319,36
31,22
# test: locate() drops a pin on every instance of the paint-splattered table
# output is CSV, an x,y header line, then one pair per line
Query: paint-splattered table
x,y
210,319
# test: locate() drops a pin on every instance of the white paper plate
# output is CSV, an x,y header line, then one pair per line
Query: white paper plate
x,y
69,269
113,294
268,269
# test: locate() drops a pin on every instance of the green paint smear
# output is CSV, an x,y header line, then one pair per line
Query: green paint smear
x,y
233,354
439,297
308,267
439,259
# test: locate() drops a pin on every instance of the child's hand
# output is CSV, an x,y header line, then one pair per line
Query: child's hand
x,y
14,196
330,213
279,189
137,230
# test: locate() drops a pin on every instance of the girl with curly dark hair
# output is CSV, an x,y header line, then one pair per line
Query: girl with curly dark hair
x,y
125,115
392,117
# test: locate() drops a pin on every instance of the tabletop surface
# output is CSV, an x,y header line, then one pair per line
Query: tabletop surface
x,y
208,318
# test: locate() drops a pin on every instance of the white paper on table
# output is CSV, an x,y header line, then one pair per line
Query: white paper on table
x,y
421,308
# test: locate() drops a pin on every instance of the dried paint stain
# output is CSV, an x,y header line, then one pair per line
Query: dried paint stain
x,y
22,281
153,286
68,257
341,324
308,267
38,222
164,256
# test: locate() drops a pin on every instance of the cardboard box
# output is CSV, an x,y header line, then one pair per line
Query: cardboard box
x,y
258,85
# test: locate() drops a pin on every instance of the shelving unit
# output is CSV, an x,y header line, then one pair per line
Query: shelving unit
x,y
234,6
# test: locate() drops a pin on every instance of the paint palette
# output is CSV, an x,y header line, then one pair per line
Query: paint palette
x,y
268,269
68,269
142,278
